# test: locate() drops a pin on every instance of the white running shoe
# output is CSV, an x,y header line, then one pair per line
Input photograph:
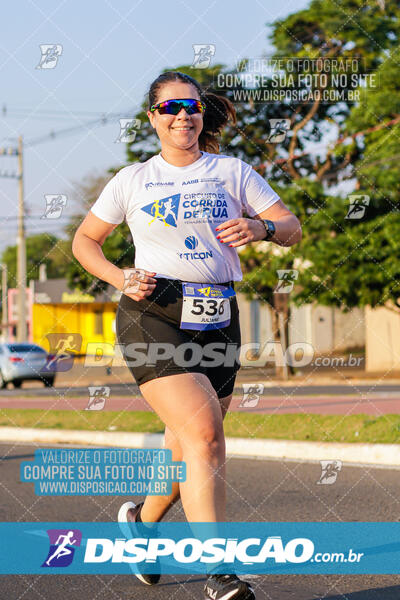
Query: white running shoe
x,y
127,516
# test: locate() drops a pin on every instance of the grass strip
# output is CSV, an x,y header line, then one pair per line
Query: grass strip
x,y
307,427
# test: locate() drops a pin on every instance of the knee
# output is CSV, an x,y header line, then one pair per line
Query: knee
x,y
207,440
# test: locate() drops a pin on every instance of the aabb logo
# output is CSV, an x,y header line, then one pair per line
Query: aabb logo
x,y
62,547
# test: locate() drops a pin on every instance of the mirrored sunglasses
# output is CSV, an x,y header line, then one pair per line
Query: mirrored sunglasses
x,y
172,107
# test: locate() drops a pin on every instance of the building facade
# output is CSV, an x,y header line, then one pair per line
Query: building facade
x,y
54,308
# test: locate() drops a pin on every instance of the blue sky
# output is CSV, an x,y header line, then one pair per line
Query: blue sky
x,y
112,51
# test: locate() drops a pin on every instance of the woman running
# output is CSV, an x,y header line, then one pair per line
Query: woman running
x,y
184,208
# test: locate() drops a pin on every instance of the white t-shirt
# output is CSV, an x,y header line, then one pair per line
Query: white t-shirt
x,y
172,213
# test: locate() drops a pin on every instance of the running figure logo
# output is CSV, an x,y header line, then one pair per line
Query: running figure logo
x,y
127,132
286,277
164,210
50,55
208,291
55,204
357,206
330,471
63,348
251,394
62,542
202,55
98,395
278,130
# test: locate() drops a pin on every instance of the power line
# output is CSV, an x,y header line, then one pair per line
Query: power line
x,y
62,113
46,116
99,120
51,111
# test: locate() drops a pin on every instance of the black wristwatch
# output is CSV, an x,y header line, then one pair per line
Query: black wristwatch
x,y
269,229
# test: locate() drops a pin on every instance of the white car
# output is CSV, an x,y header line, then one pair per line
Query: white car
x,y
24,361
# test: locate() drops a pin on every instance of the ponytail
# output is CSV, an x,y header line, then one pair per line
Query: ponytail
x,y
219,110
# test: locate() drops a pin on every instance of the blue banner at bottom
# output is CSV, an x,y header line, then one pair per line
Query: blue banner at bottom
x,y
242,548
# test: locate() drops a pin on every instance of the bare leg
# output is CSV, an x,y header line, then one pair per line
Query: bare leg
x,y
155,507
188,405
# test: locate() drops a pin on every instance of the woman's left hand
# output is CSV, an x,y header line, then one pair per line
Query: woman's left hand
x,y
238,232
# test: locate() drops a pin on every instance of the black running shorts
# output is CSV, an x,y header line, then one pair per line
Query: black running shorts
x,y
142,326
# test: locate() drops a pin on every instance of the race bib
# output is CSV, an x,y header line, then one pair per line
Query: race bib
x,y
205,306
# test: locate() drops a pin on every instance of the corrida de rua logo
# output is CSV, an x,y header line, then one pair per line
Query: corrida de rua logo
x,y
204,206
164,210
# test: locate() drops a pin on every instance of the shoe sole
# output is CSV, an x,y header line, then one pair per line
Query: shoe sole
x,y
232,593
126,530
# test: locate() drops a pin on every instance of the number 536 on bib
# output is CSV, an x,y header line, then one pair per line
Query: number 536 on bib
x,y
205,306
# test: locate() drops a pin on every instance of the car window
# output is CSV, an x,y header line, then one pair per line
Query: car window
x,y
25,348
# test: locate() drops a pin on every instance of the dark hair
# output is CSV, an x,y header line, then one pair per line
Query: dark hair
x,y
218,112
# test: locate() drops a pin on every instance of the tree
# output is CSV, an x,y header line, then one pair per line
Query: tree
x,y
342,261
42,248
363,252
332,29
118,247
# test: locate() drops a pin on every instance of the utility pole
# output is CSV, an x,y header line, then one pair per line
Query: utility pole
x,y
21,252
4,303
21,249
281,306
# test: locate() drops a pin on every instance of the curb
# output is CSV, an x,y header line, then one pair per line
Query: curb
x,y
368,454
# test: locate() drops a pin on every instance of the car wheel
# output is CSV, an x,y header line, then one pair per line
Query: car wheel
x,y
2,382
17,384
48,381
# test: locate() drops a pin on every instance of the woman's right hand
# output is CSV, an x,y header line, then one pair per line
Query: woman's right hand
x,y
137,283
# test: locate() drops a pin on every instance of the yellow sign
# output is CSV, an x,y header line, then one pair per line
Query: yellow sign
x,y
76,297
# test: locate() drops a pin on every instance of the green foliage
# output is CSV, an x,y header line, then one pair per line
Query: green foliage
x,y
118,249
342,262
329,23
42,248
379,154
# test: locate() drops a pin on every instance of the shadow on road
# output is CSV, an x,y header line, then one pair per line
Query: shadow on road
x,y
386,593
16,456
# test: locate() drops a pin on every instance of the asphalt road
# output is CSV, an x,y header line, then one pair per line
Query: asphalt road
x,y
319,399
127,389
257,491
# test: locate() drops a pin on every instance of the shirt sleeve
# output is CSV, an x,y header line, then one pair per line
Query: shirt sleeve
x,y
109,206
257,195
